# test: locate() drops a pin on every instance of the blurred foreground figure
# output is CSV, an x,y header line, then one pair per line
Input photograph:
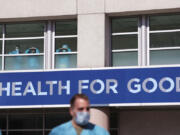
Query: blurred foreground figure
x,y
79,125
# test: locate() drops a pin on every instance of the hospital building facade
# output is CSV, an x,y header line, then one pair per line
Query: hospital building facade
x,y
124,54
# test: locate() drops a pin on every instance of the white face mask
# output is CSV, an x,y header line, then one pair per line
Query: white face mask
x,y
82,118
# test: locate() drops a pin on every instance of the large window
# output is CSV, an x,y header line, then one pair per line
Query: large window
x,y
157,41
65,50
23,46
124,41
164,39
41,121
31,122
28,45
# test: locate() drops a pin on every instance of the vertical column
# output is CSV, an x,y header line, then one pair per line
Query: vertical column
x,y
143,42
48,46
100,116
91,40
93,45
92,50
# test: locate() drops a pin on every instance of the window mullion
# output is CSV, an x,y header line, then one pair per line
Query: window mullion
x,y
53,45
148,40
143,41
3,46
139,41
48,44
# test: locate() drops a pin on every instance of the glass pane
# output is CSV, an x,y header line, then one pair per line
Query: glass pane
x,y
55,119
66,61
4,133
165,22
3,122
124,59
66,27
164,39
0,47
23,62
0,62
24,46
124,42
125,25
0,31
114,120
25,121
114,132
25,133
162,57
24,30
47,132
66,45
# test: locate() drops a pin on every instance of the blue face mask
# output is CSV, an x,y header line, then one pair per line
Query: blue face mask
x,y
82,118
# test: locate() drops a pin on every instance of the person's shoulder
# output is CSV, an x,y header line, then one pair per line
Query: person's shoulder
x,y
98,129
60,128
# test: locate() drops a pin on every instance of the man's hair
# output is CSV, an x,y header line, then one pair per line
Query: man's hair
x,y
76,96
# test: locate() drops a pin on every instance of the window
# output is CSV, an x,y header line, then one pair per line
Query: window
x,y
149,40
27,45
164,39
113,121
23,46
28,122
65,50
124,41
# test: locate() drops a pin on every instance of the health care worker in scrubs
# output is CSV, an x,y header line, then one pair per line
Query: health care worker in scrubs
x,y
79,125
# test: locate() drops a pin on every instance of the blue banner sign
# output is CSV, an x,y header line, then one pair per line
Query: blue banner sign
x,y
103,86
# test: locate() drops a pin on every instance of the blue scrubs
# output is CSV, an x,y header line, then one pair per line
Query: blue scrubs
x,y
33,61
63,61
68,129
0,132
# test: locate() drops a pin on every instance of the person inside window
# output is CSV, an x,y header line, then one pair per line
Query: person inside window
x,y
64,60
32,61
64,48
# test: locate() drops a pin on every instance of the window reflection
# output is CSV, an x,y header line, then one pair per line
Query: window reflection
x,y
65,61
66,27
165,22
163,57
23,62
125,59
129,24
24,29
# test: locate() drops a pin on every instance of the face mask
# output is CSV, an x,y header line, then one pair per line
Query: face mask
x,y
82,118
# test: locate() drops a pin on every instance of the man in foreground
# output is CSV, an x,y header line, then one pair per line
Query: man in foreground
x,y
79,125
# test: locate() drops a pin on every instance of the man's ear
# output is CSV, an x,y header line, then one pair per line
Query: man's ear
x,y
71,111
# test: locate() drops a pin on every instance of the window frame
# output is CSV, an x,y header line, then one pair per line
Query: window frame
x,y
144,42
48,44
160,48
123,34
42,112
54,37
4,39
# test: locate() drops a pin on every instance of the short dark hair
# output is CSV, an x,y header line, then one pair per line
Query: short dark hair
x,y
76,96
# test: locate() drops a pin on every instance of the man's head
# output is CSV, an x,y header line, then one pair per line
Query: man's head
x,y
79,110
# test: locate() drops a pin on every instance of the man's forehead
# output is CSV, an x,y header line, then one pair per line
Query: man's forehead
x,y
80,102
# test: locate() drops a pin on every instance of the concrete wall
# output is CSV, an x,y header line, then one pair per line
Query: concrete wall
x,y
57,8
121,6
36,8
91,40
149,122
